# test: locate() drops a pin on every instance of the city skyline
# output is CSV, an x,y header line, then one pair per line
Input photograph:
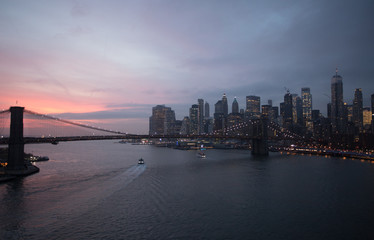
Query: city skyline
x,y
110,63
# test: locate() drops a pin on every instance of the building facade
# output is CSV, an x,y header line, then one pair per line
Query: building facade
x,y
253,107
162,120
357,113
307,107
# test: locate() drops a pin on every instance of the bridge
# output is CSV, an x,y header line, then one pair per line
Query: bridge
x,y
252,130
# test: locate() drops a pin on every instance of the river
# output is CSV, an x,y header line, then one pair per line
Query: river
x,y
96,190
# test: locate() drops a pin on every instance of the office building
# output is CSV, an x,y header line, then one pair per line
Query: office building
x,y
357,110
235,106
201,116
338,118
252,107
306,98
194,119
162,120
207,110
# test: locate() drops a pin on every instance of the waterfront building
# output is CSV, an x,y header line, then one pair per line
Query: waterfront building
x,y
207,110
338,118
306,98
357,110
162,120
194,119
235,106
252,107
201,116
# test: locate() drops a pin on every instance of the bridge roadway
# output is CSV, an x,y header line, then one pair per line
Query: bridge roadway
x,y
29,140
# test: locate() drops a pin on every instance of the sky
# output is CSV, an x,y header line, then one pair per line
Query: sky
x,y
109,62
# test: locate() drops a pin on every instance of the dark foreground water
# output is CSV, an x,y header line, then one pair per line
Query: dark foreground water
x,y
96,190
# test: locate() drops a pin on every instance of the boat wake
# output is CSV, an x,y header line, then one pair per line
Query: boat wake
x,y
71,207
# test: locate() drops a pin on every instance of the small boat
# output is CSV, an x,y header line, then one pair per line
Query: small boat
x,y
38,158
141,161
201,155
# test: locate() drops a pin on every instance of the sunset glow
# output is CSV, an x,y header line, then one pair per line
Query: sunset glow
x,y
123,57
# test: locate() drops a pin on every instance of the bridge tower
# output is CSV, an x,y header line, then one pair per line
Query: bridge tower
x,y
260,137
16,144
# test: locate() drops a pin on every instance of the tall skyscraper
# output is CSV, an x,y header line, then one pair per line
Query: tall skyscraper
x,y
297,109
194,119
306,98
207,111
219,116
162,120
225,105
253,107
201,116
287,111
357,110
338,118
235,106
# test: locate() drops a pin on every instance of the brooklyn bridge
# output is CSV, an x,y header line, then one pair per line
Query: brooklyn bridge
x,y
20,126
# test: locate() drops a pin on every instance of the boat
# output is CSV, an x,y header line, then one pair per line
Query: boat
x,y
38,158
201,155
141,161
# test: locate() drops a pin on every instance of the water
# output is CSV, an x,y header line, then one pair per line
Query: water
x,y
96,190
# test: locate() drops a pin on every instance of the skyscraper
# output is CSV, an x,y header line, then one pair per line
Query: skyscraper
x,y
357,110
201,116
225,105
194,119
162,120
287,111
207,111
306,98
297,109
219,116
253,107
338,118
235,106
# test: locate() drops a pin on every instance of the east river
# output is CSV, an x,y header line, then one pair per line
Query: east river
x,y
97,190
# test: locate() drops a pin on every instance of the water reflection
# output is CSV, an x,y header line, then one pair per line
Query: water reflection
x,y
13,208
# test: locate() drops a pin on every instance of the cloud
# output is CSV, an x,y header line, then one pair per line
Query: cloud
x,y
80,9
